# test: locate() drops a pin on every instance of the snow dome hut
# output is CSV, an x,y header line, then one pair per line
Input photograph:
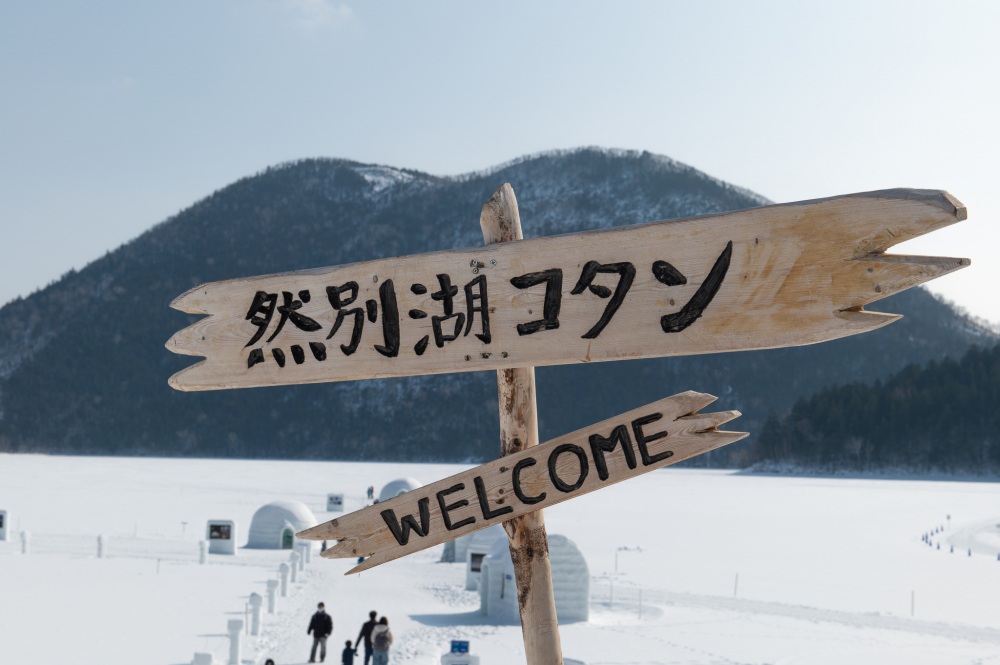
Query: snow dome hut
x,y
570,582
274,525
397,487
477,548
456,550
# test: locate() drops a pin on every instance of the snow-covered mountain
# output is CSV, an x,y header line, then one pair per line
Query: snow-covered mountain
x,y
83,368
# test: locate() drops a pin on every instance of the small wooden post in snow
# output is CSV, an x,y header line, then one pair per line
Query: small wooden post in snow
x,y
529,546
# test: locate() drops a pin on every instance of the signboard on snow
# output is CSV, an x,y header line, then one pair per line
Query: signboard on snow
x,y
334,503
221,535
775,276
657,435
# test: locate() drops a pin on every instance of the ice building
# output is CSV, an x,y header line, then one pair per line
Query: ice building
x,y
274,525
570,582
477,547
397,487
455,550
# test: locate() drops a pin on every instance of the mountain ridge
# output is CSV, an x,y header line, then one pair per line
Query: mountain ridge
x,y
83,368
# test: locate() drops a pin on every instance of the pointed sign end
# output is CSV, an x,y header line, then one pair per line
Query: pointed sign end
x,y
191,301
324,531
180,381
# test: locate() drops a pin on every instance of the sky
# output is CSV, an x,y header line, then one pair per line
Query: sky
x,y
116,115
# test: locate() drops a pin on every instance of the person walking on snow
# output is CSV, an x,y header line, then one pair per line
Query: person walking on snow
x,y
348,654
321,625
381,641
366,636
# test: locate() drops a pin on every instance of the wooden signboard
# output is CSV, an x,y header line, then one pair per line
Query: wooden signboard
x,y
652,437
775,276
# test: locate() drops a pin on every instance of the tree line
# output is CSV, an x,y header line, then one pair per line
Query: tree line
x,y
939,417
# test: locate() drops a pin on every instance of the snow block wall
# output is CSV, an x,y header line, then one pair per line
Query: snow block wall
x,y
570,582
274,525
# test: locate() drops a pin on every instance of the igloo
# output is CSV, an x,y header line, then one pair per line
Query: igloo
x,y
397,487
455,551
477,547
570,582
274,525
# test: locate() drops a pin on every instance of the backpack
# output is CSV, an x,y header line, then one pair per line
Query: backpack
x,y
381,640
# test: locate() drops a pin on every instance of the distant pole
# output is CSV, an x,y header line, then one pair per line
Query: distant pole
x,y
235,627
25,542
272,588
255,604
913,602
283,574
529,546
736,585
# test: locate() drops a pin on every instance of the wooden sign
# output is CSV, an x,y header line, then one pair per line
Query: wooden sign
x,y
775,276
652,437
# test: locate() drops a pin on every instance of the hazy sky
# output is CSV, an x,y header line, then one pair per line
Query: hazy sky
x,y
115,115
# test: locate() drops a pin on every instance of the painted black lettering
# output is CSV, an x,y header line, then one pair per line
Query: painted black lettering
x,y
279,357
290,312
256,356
401,530
260,314
335,294
560,484
298,355
390,320
694,308
319,350
452,506
666,273
484,502
642,439
600,445
516,477
553,299
626,274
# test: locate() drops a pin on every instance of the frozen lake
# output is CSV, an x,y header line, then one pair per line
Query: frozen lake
x,y
733,568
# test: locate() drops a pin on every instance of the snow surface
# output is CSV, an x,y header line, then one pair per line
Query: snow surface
x,y
827,568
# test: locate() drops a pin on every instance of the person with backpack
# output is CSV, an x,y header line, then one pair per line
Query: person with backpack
x,y
321,625
381,641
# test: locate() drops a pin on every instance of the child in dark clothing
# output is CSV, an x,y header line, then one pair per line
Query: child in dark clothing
x,y
347,655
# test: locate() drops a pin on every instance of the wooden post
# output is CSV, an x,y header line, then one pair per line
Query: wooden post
x,y
529,545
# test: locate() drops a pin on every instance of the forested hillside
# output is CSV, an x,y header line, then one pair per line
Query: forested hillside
x,y
83,368
942,417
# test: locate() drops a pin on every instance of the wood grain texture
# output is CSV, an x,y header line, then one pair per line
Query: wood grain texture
x,y
500,222
366,532
797,273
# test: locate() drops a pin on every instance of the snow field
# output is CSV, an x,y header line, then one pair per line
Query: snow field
x,y
827,568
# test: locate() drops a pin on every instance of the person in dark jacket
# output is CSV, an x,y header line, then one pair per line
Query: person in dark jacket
x,y
366,635
321,625
347,655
